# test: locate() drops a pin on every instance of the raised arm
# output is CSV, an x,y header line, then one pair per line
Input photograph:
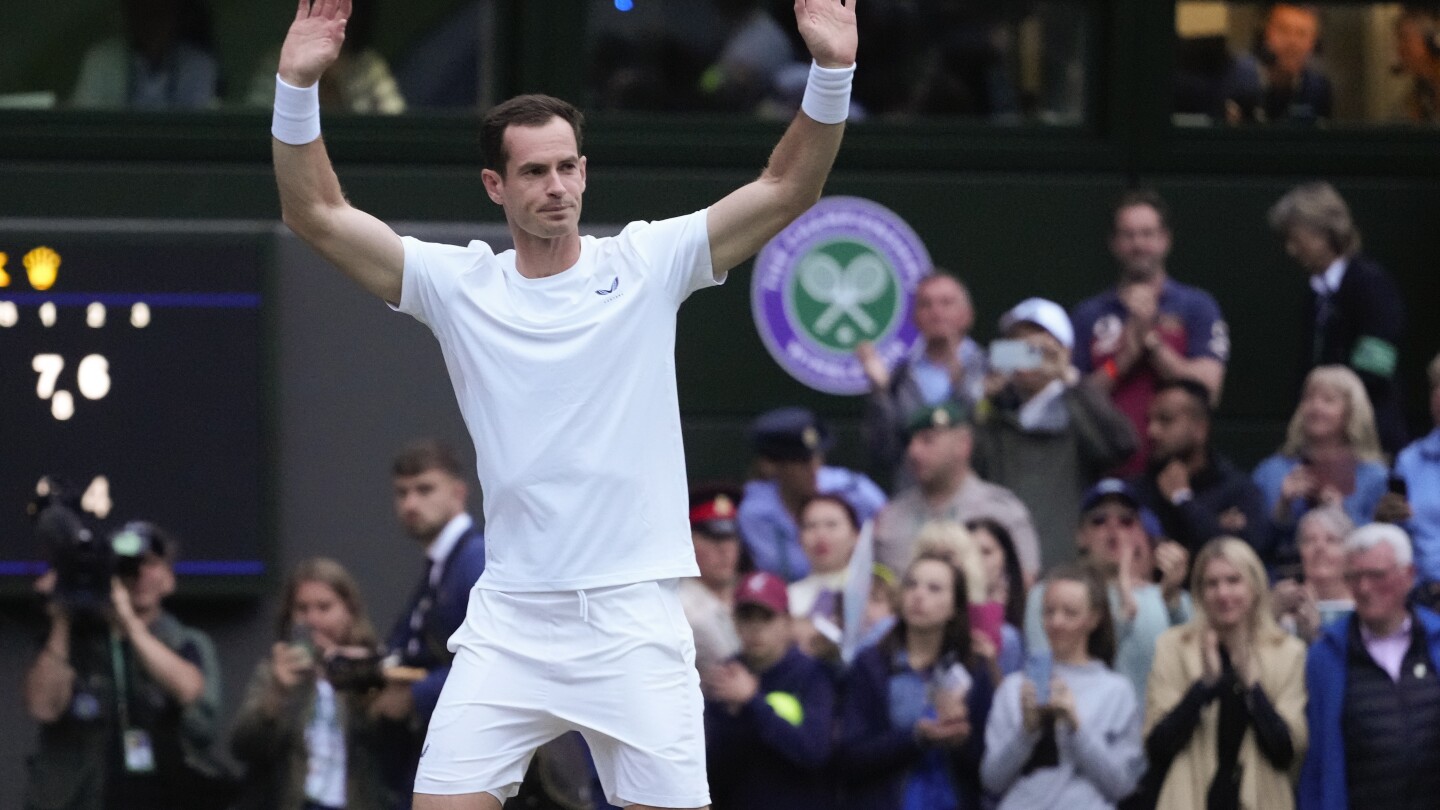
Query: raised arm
x,y
311,202
742,222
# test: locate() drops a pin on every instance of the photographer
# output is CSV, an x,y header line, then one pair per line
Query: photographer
x,y
127,697
1041,433
310,738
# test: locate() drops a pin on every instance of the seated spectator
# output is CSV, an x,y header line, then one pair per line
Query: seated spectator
x,y
1197,493
947,488
947,367
360,81
1418,507
1081,746
768,714
1041,434
1004,582
311,743
911,728
994,640
1281,81
790,445
708,600
151,747
1146,585
1355,314
1321,595
1419,61
163,60
1232,655
1374,695
1331,455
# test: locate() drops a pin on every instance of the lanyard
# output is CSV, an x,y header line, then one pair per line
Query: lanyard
x,y
122,698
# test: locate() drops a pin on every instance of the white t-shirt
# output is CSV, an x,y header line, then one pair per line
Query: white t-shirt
x,y
567,385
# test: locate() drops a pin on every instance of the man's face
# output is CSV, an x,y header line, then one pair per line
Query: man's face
x,y
424,503
1290,34
1141,242
1110,530
795,478
153,581
1310,249
1175,430
543,182
943,310
717,557
936,455
1378,584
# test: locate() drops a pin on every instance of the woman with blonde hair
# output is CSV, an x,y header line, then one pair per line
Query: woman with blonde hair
x,y
995,639
1225,710
309,742
1331,456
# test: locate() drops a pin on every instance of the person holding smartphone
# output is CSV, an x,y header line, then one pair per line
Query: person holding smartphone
x,y
1041,432
1331,455
1066,732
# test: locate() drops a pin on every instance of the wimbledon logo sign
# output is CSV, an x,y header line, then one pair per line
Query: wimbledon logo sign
x,y
843,273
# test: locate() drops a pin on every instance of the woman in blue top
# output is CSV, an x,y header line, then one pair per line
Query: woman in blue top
x,y
1331,455
915,704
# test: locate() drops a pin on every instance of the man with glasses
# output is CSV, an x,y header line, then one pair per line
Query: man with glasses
x,y
1144,572
1374,709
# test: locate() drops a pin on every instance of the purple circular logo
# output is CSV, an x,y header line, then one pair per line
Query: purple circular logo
x,y
844,272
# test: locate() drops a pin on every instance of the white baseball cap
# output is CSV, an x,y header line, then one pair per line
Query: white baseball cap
x,y
1045,314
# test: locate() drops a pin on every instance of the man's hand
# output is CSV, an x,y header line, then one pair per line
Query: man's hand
x,y
730,683
873,365
1174,477
1173,560
828,27
394,702
314,40
1393,508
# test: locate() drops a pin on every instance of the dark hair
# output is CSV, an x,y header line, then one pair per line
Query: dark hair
x,y
956,639
1142,196
1101,643
332,575
1015,594
424,455
532,110
1196,390
844,505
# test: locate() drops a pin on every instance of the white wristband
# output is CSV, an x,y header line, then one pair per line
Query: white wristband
x,y
297,113
827,94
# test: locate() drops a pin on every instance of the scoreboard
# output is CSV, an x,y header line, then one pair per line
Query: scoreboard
x,y
131,355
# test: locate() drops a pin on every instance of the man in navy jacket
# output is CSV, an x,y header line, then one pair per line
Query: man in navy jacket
x,y
430,495
768,715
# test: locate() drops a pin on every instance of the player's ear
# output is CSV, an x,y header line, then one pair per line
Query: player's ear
x,y
582,173
494,185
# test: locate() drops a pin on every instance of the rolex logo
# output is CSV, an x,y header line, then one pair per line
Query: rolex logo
x,y
42,266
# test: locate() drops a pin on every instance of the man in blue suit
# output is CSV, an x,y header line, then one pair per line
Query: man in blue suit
x,y
430,495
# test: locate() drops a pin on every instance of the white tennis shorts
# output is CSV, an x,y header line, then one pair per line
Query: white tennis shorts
x,y
616,664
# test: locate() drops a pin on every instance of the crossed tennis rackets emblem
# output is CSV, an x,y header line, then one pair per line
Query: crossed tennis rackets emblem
x,y
844,290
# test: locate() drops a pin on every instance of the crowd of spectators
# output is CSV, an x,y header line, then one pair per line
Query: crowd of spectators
x,y
1068,597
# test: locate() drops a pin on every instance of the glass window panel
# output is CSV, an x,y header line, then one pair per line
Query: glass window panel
x,y
1248,64
159,55
1004,62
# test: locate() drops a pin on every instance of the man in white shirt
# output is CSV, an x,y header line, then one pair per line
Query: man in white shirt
x,y
561,353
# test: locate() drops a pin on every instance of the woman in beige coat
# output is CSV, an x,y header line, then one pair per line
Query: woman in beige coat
x,y
1225,714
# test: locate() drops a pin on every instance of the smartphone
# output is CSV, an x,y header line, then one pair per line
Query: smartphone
x,y
300,637
1038,668
1008,356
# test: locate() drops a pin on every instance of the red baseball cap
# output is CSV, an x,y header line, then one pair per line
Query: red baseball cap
x,y
764,589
